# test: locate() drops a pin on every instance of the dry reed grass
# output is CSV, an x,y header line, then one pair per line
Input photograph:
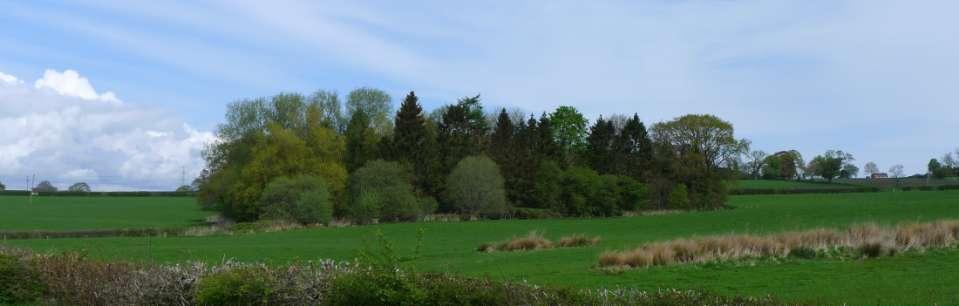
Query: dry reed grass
x,y
577,240
532,241
535,241
866,240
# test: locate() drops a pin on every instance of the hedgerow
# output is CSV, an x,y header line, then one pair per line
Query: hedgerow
x,y
71,279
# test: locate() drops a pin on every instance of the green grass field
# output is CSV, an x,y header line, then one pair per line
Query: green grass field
x,y
905,279
80,213
784,185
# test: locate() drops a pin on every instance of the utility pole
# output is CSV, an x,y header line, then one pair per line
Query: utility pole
x,y
182,176
33,181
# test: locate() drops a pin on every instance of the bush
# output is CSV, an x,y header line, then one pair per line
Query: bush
x,y
375,287
679,197
18,282
475,188
547,186
389,194
304,199
366,208
235,287
803,252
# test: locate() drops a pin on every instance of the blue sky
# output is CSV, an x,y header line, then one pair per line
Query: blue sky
x,y
875,78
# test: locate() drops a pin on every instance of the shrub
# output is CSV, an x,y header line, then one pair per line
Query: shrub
x,y
393,197
679,197
803,252
304,199
547,186
375,286
475,188
235,287
18,282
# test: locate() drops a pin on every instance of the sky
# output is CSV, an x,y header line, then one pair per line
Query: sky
x,y
125,94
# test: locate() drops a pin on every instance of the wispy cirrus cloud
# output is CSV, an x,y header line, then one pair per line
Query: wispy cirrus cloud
x,y
871,77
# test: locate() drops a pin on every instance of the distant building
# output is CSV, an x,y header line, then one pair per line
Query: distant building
x,y
879,175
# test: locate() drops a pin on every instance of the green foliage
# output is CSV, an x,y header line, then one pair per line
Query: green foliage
x,y
414,142
599,152
235,287
324,106
3,187
361,141
782,165
462,131
632,150
262,140
365,208
569,130
19,283
302,199
679,197
475,188
387,185
79,187
45,187
692,150
584,192
375,104
830,164
548,186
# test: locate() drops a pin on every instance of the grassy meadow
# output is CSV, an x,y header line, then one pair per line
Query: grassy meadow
x,y
785,185
910,278
56,213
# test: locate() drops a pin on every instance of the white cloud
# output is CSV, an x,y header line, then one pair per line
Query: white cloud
x,y
6,79
52,130
69,83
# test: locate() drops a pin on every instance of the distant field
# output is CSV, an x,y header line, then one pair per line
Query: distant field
x,y
57,213
906,279
784,185
901,182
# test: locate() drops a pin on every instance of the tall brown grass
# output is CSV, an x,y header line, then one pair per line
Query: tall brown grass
x,y
535,241
577,240
865,240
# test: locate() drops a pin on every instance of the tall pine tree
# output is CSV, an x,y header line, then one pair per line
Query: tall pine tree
x,y
415,145
506,151
599,145
501,141
633,150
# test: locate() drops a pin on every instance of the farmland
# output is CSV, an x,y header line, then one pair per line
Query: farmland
x,y
784,185
922,278
97,212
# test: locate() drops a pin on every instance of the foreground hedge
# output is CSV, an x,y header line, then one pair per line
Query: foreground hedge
x,y
70,279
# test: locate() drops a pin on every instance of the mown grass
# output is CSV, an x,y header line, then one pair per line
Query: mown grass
x,y
55,213
907,278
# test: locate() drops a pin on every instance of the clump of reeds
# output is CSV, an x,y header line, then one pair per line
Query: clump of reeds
x,y
864,240
532,241
577,240
535,241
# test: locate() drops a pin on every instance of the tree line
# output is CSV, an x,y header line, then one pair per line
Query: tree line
x,y
311,158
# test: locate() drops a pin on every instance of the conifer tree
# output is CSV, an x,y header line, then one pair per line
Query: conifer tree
x,y
599,144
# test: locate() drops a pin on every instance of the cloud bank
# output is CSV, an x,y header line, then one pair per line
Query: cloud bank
x,y
64,131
